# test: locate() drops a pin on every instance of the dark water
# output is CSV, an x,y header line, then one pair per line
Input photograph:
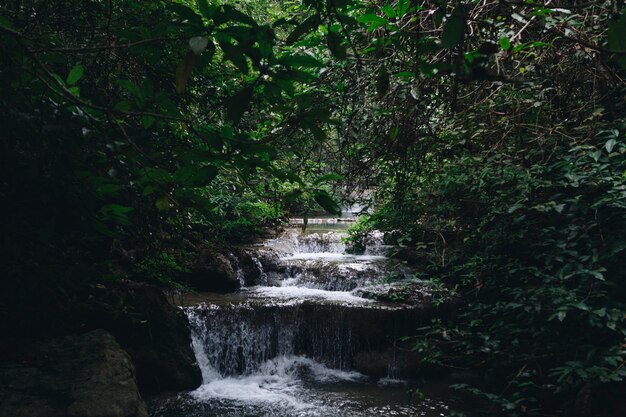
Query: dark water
x,y
303,397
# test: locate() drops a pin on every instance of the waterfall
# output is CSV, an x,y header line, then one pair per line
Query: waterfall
x,y
300,335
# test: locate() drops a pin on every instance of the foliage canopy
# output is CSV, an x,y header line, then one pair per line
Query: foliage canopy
x,y
492,134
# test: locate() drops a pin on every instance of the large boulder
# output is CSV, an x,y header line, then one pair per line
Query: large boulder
x,y
152,330
212,272
86,375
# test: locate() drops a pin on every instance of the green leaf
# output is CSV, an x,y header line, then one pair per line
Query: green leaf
x,y
237,105
148,121
163,204
339,3
453,29
292,196
205,9
116,213
310,23
327,202
106,189
318,132
235,54
228,13
116,209
327,178
609,145
373,21
334,45
402,7
296,75
505,43
393,133
389,11
75,74
74,90
204,176
5,22
186,13
300,61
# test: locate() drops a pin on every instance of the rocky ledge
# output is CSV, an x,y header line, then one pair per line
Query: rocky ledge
x,y
86,375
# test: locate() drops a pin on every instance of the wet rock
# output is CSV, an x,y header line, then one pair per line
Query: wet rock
x,y
152,331
270,260
237,338
407,254
249,267
257,266
86,375
394,362
409,292
212,272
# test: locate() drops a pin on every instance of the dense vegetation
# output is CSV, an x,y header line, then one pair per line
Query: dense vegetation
x,y
137,133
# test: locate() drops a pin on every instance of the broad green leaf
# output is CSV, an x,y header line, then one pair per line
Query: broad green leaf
x,y
505,43
186,13
389,11
204,176
292,196
300,61
306,26
235,54
134,90
610,144
453,29
107,189
116,213
5,22
402,7
327,178
237,105
74,90
205,9
75,74
148,121
373,21
339,3
336,48
163,204
327,202
228,13
393,133
296,75
207,56
318,132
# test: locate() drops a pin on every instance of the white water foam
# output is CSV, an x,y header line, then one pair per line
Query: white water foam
x,y
278,381
289,293
331,257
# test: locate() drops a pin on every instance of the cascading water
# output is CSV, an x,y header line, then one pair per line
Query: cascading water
x,y
302,343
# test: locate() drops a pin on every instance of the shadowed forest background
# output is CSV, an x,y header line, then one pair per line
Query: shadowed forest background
x,y
486,138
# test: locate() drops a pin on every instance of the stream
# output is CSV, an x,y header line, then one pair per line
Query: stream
x,y
301,340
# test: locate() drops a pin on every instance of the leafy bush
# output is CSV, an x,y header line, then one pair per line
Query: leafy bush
x,y
541,271
162,269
